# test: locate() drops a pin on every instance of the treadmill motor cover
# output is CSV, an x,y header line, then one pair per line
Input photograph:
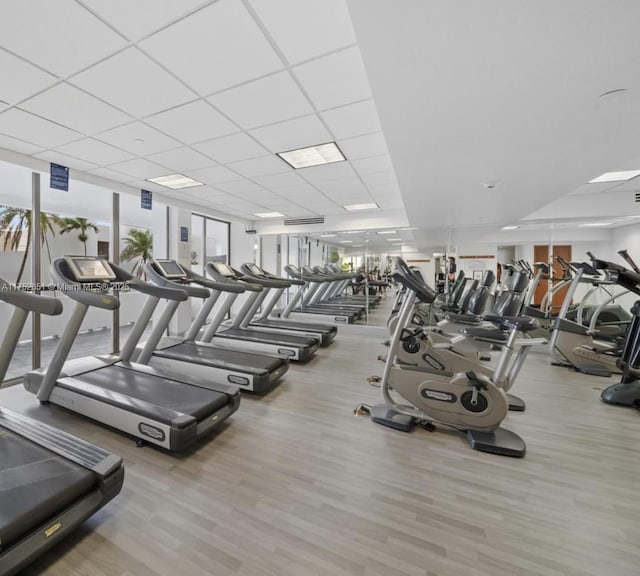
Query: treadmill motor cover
x,y
35,485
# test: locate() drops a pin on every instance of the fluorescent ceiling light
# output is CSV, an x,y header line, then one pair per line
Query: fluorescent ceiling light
x,y
328,235
175,181
354,232
621,176
346,241
313,155
367,206
388,232
594,224
358,246
269,215
510,227
395,240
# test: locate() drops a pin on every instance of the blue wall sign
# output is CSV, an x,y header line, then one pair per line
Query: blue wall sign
x,y
59,177
146,199
184,234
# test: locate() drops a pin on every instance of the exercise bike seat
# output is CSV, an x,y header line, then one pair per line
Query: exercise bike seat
x,y
518,323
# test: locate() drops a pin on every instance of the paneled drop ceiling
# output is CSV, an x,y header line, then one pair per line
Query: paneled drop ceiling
x,y
210,89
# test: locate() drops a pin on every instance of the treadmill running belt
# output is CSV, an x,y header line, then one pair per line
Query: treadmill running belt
x,y
266,337
35,484
222,358
163,392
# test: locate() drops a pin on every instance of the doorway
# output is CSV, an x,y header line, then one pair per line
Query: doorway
x,y
541,254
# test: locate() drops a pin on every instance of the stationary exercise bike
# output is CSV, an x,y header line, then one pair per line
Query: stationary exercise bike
x,y
468,401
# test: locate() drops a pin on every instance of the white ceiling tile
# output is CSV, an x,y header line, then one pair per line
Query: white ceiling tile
x,y
137,19
213,175
353,120
305,30
134,83
16,145
181,159
231,148
28,127
239,186
259,166
297,192
380,178
71,107
335,171
214,49
140,168
265,101
94,151
111,175
280,180
259,196
342,185
364,146
336,79
31,79
373,164
208,192
62,36
192,122
125,137
65,160
291,134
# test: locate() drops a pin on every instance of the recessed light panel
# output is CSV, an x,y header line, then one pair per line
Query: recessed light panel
x,y
510,227
346,241
367,206
388,232
328,235
594,224
354,232
269,215
621,176
313,156
175,181
394,240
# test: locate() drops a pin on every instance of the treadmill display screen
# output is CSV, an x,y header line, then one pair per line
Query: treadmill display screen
x,y
170,269
90,269
224,269
255,270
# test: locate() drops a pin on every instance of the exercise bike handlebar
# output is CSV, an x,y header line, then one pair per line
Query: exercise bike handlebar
x,y
629,260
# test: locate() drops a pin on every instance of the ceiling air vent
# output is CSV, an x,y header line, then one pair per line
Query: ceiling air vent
x,y
637,196
304,221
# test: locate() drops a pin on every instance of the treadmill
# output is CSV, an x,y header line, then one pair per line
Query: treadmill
x,y
185,355
300,348
300,308
51,481
326,332
167,411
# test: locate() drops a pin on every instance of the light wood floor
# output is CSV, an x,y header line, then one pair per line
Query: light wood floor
x,y
297,485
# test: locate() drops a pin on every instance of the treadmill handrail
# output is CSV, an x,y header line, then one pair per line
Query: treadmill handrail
x,y
75,290
162,283
28,301
238,278
212,284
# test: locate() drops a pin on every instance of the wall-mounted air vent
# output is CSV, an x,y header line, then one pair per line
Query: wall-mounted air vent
x,y
637,196
304,221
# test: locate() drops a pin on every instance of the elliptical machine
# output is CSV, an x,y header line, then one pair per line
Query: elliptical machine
x,y
467,401
627,391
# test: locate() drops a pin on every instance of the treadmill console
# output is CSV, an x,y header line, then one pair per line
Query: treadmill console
x,y
255,270
223,269
171,270
90,269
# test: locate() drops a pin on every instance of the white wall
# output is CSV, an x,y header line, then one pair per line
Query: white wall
x,y
242,245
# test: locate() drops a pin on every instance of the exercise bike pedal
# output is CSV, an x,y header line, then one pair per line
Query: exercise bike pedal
x,y
373,379
427,425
